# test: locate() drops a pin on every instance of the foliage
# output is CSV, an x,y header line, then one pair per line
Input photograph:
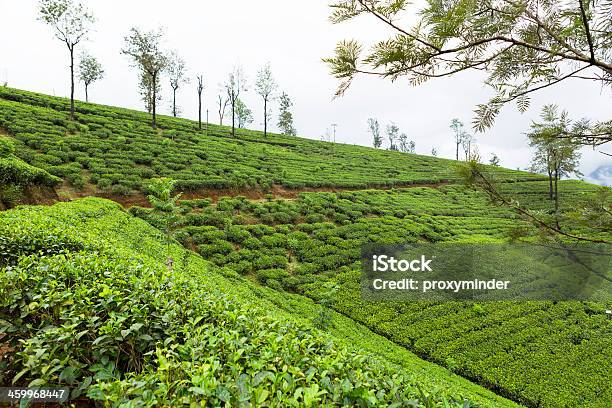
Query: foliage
x,y
311,246
145,50
523,46
494,160
176,74
460,135
71,23
69,20
285,117
555,155
266,87
117,146
164,206
90,307
235,84
374,129
244,115
90,70
392,135
14,171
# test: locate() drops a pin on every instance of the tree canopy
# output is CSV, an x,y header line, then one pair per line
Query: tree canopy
x,y
145,50
90,70
523,46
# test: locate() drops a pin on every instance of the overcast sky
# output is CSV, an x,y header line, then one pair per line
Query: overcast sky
x,y
214,36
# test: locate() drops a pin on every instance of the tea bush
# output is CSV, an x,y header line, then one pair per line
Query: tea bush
x,y
119,144
86,301
305,257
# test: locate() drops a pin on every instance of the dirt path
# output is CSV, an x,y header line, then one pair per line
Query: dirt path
x,y
66,193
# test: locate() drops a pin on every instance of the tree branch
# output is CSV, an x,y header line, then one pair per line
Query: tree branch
x,y
556,81
495,194
394,26
588,30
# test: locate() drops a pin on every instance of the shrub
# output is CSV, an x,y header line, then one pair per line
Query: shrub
x,y
121,189
7,147
264,275
104,183
17,172
10,194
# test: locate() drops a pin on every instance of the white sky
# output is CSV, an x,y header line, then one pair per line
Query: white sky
x,y
213,36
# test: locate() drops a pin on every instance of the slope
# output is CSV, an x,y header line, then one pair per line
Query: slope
x,y
115,151
86,300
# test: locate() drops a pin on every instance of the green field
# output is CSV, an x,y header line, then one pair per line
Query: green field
x,y
305,245
234,321
117,151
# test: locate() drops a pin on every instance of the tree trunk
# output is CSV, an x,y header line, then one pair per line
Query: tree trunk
x,y
557,199
174,102
265,117
556,190
233,117
550,185
154,101
71,48
199,110
86,95
457,151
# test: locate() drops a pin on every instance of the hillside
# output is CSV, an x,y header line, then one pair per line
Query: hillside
x,y
156,337
269,226
306,245
114,151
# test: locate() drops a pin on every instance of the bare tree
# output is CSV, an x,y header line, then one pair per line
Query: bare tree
x,y
71,23
90,70
176,73
200,88
222,103
235,84
146,52
374,128
266,87
392,135
460,135
466,143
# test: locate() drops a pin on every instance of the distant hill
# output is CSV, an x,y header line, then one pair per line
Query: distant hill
x,y
601,175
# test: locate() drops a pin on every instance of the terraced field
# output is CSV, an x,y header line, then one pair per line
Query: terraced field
x,y
71,268
117,151
87,301
531,352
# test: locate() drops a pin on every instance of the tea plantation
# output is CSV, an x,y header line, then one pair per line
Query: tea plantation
x,y
117,151
262,304
532,352
87,301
